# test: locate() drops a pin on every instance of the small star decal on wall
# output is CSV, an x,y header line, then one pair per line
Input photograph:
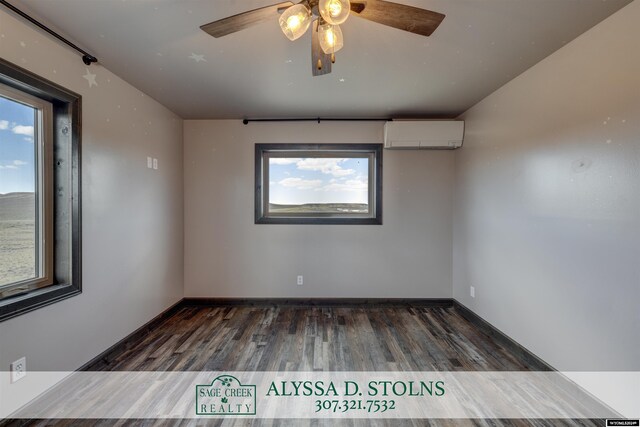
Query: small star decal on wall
x,y
91,78
197,58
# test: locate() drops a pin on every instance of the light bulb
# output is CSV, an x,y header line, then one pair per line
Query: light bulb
x,y
330,37
335,12
335,8
295,21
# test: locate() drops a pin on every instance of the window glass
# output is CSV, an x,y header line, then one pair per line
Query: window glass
x,y
309,185
19,242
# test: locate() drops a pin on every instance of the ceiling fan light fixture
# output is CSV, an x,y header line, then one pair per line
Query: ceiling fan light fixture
x,y
335,12
330,37
326,16
295,21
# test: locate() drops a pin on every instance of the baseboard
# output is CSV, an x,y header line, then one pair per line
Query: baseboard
x,y
102,360
534,362
314,302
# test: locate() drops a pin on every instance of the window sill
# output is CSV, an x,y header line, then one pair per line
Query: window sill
x,y
20,304
319,220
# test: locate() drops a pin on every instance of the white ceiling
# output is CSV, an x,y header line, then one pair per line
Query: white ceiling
x,y
258,73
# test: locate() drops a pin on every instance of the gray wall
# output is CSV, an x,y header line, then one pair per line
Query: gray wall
x,y
546,227
132,216
227,255
547,203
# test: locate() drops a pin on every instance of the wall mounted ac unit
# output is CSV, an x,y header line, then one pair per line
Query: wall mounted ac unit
x,y
423,134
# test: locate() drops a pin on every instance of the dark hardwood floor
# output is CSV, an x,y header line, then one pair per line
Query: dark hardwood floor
x,y
290,338
302,338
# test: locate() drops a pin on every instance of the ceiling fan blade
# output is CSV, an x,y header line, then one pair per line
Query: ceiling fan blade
x,y
244,20
403,17
357,7
320,61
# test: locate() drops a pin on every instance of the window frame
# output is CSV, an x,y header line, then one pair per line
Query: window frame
x,y
43,148
263,152
65,194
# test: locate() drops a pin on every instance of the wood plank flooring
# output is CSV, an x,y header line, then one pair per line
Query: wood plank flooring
x,y
290,338
319,338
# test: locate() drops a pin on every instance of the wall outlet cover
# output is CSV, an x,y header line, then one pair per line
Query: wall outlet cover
x,y
18,369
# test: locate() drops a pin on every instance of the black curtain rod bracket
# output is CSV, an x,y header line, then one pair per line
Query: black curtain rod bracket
x,y
87,58
316,119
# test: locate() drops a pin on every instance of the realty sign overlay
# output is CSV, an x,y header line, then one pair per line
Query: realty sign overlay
x,y
225,396
315,395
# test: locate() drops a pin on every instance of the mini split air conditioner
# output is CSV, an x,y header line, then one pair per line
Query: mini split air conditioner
x,y
423,134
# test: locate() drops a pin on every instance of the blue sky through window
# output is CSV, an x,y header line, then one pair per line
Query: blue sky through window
x,y
295,181
16,147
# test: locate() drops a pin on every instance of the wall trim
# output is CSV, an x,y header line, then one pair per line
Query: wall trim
x,y
536,363
425,302
104,358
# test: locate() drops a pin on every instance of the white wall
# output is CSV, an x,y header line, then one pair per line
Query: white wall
x,y
131,216
547,203
227,255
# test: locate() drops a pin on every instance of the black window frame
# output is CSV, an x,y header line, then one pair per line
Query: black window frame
x,y
375,180
67,227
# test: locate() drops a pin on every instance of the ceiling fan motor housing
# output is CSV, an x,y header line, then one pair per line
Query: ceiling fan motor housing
x,y
313,7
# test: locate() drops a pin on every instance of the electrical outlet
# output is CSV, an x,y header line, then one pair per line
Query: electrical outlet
x,y
149,162
472,291
300,280
18,369
155,163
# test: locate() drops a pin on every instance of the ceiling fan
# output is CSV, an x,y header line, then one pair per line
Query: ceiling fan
x,y
325,17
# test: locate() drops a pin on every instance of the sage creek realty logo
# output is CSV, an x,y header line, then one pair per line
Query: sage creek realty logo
x,y
225,396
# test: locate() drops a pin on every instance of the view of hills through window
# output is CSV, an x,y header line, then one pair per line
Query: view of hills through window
x,y
17,192
314,185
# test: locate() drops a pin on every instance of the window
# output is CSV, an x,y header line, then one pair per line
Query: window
x,y
318,184
39,229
